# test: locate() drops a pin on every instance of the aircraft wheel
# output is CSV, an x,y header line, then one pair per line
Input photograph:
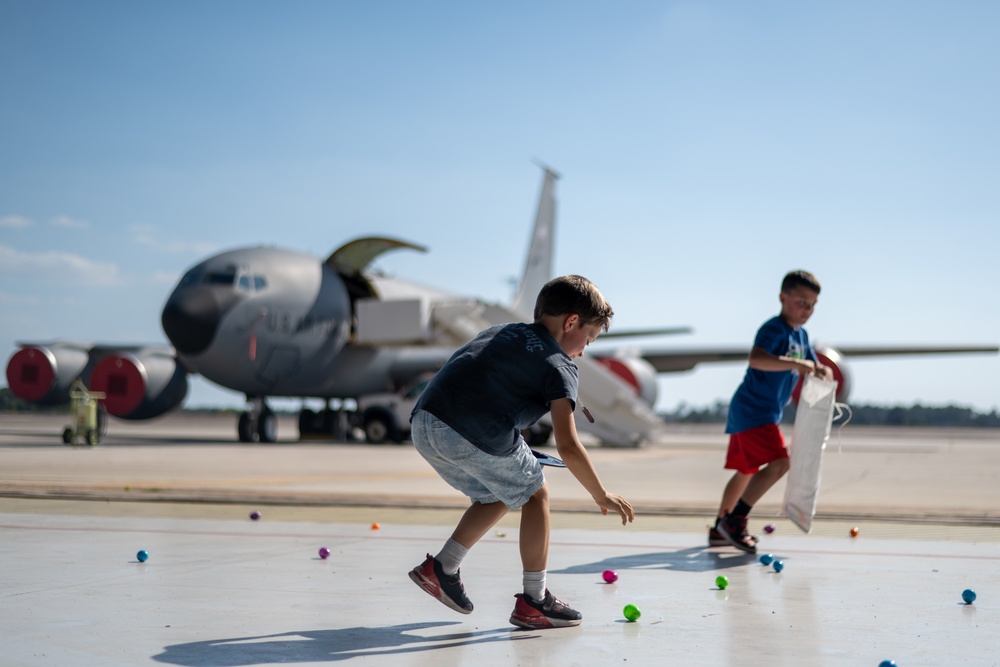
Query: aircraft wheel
x,y
378,429
92,438
102,421
307,422
329,423
267,426
245,428
68,436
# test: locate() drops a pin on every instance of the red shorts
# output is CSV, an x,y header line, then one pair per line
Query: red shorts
x,y
755,447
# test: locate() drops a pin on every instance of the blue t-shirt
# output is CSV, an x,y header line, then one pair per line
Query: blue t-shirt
x,y
761,397
499,383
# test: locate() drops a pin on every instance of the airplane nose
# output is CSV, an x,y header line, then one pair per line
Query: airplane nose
x,y
191,318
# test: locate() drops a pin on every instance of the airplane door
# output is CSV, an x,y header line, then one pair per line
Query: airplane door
x,y
280,364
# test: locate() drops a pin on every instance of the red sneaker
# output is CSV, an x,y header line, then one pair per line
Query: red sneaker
x,y
448,590
550,612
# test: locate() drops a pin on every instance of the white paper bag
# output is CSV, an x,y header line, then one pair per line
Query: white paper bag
x,y
813,418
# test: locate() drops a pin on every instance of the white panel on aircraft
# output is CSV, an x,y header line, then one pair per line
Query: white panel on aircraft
x,y
388,322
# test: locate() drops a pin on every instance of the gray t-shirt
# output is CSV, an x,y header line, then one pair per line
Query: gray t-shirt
x,y
499,383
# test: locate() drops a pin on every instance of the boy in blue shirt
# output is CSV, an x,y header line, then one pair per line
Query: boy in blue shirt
x,y
467,424
781,352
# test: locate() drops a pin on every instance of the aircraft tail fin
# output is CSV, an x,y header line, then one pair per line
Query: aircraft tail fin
x,y
538,265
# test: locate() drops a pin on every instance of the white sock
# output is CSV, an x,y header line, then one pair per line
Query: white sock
x,y
534,584
451,556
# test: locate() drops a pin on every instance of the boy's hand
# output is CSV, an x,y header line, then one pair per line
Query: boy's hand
x,y
816,368
612,501
823,372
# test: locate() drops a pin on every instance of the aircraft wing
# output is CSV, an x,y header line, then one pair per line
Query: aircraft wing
x,y
639,366
898,350
677,360
636,333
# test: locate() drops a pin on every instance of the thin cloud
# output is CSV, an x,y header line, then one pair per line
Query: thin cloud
x,y
145,235
15,222
55,267
164,277
193,248
8,299
66,221
141,229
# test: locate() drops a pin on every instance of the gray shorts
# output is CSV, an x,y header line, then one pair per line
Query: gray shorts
x,y
483,477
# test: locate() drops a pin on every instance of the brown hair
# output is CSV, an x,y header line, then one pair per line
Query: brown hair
x,y
799,278
574,295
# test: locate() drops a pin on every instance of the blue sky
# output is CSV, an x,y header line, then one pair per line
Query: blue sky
x,y
706,148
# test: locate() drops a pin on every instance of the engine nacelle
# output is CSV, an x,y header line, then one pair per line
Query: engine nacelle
x,y
637,373
139,385
830,357
43,374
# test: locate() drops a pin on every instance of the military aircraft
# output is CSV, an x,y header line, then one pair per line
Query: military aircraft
x,y
268,322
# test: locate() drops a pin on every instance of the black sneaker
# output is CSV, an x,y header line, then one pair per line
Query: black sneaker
x,y
715,538
734,530
449,590
550,612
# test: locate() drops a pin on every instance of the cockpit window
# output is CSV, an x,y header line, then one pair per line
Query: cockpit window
x,y
250,283
220,278
231,276
190,278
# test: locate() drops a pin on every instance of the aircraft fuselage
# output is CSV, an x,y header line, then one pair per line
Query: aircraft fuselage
x,y
271,322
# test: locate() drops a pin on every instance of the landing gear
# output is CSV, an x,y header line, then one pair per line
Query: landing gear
x,y
246,428
259,423
537,434
326,424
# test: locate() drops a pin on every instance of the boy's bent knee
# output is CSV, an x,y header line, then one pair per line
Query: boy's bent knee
x,y
541,495
779,466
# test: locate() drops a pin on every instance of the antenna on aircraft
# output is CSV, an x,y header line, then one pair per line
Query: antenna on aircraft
x,y
546,168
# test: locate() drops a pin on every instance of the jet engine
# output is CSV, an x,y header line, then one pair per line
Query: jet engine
x,y
43,374
832,358
139,385
637,373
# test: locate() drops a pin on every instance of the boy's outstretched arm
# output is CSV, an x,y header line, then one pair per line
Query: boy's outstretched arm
x,y
762,360
578,462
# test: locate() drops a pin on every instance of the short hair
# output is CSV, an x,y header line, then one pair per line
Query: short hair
x,y
574,295
799,278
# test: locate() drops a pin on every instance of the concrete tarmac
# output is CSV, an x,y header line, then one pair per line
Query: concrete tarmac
x,y
222,589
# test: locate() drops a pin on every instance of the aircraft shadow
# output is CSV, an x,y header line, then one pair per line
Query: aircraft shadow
x,y
694,559
327,645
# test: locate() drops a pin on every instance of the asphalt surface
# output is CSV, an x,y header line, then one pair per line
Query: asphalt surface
x,y
221,589
949,476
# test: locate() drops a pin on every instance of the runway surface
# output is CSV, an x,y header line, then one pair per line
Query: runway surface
x,y
222,589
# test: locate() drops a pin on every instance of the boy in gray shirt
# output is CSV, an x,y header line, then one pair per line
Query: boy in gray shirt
x,y
468,422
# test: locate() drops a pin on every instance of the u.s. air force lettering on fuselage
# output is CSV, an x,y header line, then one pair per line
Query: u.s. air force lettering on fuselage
x,y
310,325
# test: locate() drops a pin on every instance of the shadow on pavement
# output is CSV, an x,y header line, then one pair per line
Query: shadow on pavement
x,y
327,645
694,559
